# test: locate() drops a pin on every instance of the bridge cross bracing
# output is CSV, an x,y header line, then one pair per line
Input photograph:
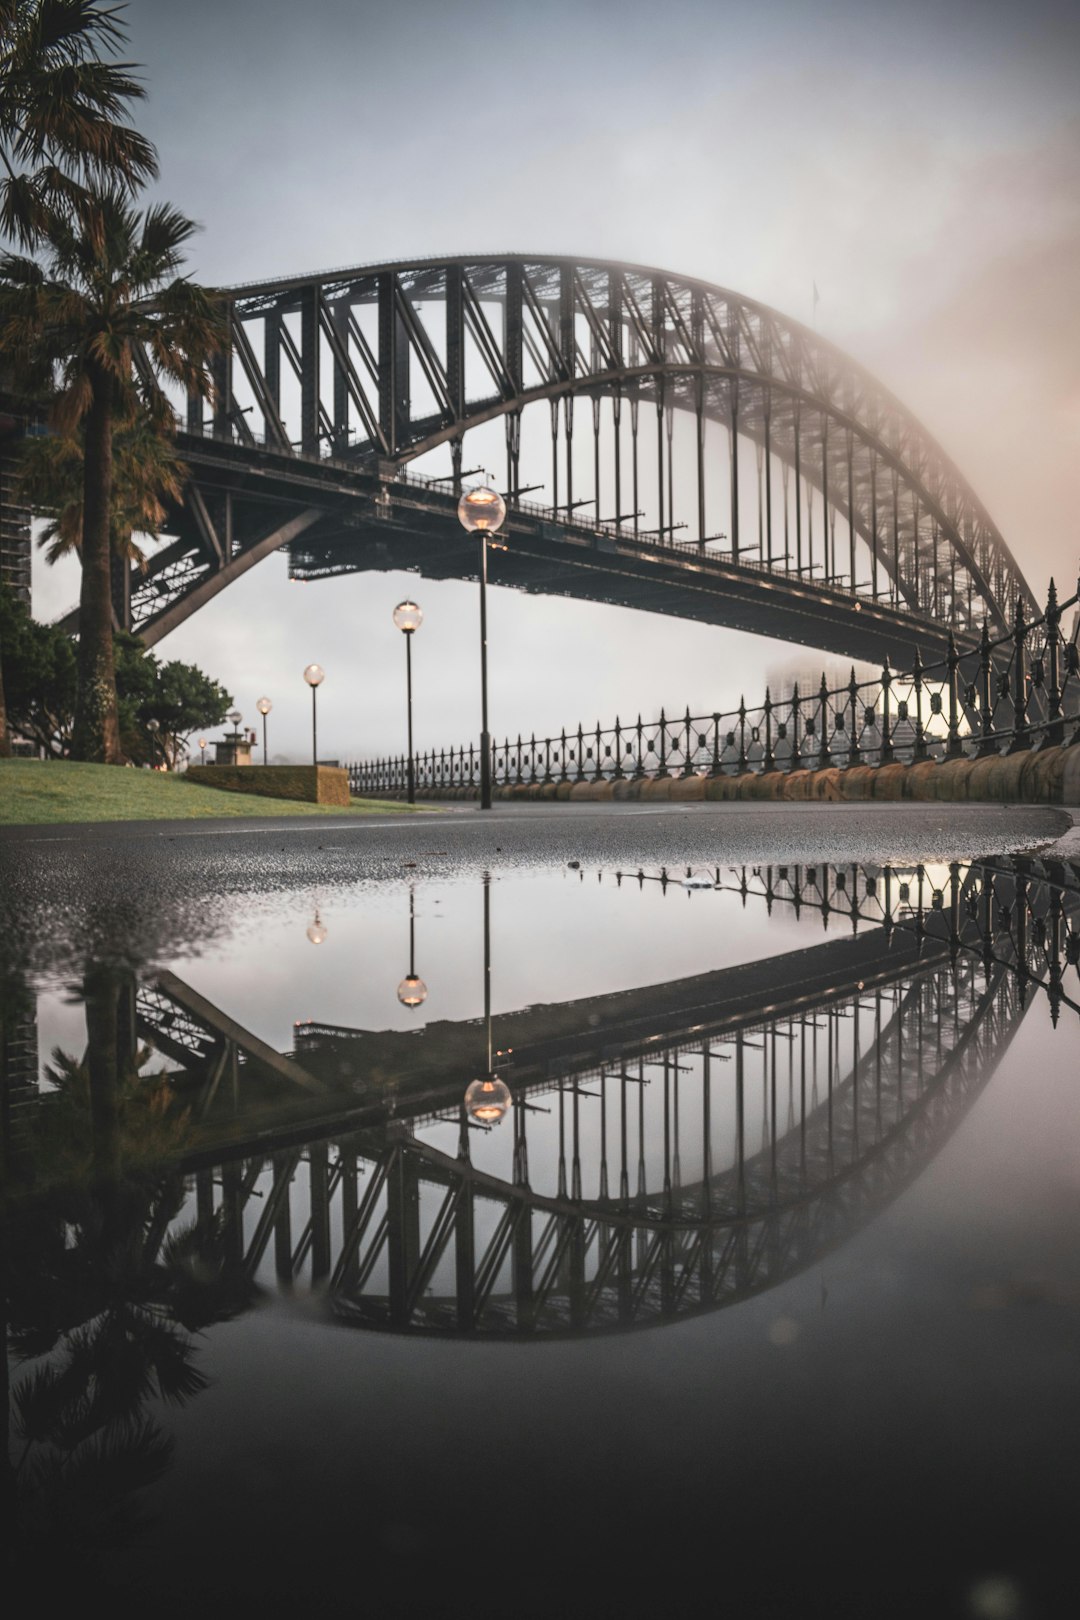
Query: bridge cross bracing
x,y
697,453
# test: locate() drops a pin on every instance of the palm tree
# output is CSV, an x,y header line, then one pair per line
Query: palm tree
x,y
101,292
61,122
61,108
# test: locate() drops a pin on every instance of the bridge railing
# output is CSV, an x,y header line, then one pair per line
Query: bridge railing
x,y
1012,693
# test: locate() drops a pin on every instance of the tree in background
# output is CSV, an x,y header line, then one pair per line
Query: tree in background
x,y
178,696
38,663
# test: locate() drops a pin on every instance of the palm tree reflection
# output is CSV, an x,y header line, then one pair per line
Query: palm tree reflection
x,y
104,1290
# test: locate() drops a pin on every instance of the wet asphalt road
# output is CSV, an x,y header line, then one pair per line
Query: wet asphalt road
x,y
135,889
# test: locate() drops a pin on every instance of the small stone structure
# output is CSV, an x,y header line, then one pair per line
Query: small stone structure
x,y
317,784
232,749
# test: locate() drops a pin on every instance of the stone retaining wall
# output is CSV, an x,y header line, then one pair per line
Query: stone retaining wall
x,y
315,784
1048,776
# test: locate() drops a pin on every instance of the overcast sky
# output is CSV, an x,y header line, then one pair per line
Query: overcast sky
x,y
919,161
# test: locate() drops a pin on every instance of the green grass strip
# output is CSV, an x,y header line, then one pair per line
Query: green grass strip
x,y
49,792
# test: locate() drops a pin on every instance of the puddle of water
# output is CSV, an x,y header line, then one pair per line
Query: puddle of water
x,y
765,1221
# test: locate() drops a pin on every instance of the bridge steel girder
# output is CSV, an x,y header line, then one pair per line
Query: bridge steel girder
x,y
491,335
376,366
342,518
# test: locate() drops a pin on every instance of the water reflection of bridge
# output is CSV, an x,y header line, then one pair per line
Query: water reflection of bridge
x,y
671,1150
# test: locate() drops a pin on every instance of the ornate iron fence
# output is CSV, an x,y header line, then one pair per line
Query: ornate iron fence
x,y
1012,693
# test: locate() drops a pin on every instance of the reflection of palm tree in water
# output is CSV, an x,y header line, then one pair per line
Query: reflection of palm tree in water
x,y
103,1299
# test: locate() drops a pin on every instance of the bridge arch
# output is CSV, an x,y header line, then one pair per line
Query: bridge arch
x,y
689,450
391,361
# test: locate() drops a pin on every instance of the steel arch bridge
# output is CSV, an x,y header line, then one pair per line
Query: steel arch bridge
x,y
697,453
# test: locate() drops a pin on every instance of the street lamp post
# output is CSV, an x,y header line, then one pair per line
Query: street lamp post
x,y
314,675
481,512
264,706
153,727
409,618
202,750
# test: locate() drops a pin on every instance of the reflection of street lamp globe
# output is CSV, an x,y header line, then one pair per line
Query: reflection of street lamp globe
x,y
314,674
412,990
264,706
488,1100
408,617
482,509
316,931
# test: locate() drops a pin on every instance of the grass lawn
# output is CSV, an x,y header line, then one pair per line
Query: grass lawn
x,y
41,792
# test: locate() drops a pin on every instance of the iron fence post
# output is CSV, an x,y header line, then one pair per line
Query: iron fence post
x,y
823,739
715,769
768,763
1054,735
887,754
796,740
1021,740
854,751
986,695
917,679
954,749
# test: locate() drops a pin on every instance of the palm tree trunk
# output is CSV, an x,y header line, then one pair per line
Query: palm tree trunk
x,y
96,733
101,989
5,737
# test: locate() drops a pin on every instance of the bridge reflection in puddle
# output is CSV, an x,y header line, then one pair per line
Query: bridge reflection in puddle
x,y
670,1149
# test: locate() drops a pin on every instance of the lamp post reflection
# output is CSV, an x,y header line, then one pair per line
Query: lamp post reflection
x,y
316,929
412,991
487,1098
